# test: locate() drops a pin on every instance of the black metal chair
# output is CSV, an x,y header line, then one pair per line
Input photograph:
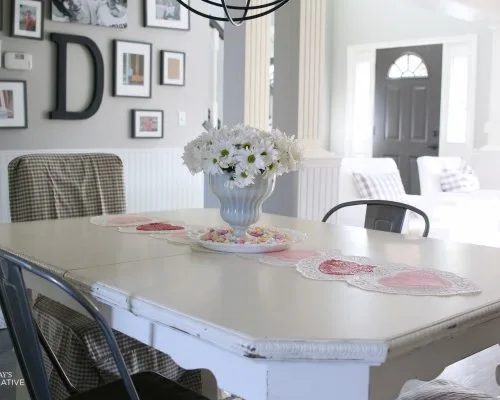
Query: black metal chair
x,y
29,342
383,215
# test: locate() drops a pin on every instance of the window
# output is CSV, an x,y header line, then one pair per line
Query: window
x,y
409,65
458,104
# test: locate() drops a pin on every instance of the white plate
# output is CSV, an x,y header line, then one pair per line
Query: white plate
x,y
295,237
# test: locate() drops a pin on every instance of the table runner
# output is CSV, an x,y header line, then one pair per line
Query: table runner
x,y
332,265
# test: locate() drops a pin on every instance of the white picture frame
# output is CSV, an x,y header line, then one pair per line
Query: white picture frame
x,y
132,69
27,17
13,104
172,68
147,124
167,16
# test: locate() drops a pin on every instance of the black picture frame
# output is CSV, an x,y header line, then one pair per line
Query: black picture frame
x,y
135,115
163,80
24,102
15,20
121,89
149,22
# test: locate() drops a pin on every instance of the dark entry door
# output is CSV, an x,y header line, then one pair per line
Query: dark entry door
x,y
407,107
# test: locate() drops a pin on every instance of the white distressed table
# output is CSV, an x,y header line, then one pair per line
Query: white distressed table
x,y
266,332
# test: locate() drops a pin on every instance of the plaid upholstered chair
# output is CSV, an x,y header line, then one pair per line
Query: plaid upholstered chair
x,y
52,186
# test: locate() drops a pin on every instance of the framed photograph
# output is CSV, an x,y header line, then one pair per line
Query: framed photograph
x,y
167,14
13,104
107,13
147,124
132,69
27,19
172,68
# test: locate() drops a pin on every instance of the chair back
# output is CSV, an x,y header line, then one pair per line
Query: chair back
x,y
383,215
52,186
17,311
429,172
347,190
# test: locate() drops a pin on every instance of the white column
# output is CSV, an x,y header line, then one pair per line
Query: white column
x,y
257,62
492,127
311,99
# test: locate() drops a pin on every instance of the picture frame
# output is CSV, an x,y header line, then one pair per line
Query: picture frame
x,y
147,124
89,12
166,14
27,19
132,69
172,68
13,104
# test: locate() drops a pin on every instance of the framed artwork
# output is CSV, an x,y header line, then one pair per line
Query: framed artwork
x,y
13,104
167,14
172,68
147,124
107,13
27,19
132,69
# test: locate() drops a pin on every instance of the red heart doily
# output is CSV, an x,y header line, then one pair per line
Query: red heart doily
x,y
159,226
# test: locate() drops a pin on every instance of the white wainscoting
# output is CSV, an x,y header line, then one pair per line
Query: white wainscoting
x,y
318,187
155,179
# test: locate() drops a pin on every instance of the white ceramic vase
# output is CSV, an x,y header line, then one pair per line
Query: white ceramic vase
x,y
241,207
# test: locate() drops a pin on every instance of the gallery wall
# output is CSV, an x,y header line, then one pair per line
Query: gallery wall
x,y
110,127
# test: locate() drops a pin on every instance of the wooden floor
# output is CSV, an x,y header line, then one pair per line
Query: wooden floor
x,y
478,371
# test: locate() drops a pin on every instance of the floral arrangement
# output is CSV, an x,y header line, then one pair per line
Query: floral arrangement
x,y
244,153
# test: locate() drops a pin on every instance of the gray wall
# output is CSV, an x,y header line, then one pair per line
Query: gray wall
x,y
110,127
375,21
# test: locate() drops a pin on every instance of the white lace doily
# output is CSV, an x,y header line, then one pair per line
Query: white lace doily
x,y
150,226
121,220
285,258
180,237
414,282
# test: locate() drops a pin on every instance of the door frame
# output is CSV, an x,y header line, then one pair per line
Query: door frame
x,y
359,143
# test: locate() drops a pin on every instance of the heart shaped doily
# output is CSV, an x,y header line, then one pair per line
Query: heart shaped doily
x,y
333,266
415,282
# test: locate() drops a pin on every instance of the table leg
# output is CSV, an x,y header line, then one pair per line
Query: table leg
x,y
317,380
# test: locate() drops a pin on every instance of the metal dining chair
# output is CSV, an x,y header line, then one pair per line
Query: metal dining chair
x,y
67,185
29,342
383,215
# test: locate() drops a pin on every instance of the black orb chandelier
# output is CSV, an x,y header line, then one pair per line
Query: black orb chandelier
x,y
260,10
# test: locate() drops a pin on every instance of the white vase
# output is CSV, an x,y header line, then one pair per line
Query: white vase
x,y
241,207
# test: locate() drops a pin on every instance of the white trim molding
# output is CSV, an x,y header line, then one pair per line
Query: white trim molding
x,y
359,139
155,179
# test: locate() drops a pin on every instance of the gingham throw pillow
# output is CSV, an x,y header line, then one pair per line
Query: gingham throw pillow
x,y
461,180
386,186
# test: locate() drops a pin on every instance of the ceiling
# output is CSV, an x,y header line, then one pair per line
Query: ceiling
x,y
468,10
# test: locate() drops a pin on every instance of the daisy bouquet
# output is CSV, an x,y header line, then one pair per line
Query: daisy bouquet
x,y
243,153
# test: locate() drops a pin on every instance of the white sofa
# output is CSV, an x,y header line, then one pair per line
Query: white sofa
x,y
429,172
453,216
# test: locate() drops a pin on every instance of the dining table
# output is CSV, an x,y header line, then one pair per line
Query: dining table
x,y
265,331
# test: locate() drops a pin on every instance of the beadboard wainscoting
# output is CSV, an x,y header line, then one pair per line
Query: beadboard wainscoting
x,y
155,179
318,187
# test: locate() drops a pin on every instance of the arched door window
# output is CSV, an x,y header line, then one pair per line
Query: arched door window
x,y
409,65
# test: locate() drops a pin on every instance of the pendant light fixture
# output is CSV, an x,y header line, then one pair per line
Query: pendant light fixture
x,y
229,11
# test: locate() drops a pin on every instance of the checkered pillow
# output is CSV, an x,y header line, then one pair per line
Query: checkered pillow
x,y
386,186
461,180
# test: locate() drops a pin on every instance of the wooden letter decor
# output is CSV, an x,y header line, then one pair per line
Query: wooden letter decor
x,y
61,70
